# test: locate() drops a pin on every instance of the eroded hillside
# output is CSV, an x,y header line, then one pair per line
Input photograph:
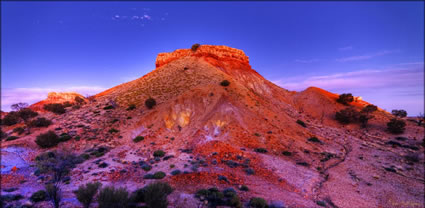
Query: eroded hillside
x,y
221,124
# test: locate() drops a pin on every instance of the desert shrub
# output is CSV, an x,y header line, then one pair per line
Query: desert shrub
x,y
131,107
85,193
412,157
150,103
11,138
214,197
18,106
111,197
159,175
301,123
2,134
10,119
347,116
175,172
345,98
40,122
146,167
18,130
399,113
138,139
369,109
27,113
314,139
54,194
396,126
56,108
159,153
138,196
244,188
225,83
56,164
47,140
195,47
66,104
79,100
364,119
39,196
109,107
286,153
260,150
155,194
257,202
64,137
113,131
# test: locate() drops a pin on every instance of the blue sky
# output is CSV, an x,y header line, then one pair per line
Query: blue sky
x,y
372,49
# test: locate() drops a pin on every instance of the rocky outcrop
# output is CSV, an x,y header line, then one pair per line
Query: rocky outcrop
x,y
56,97
221,53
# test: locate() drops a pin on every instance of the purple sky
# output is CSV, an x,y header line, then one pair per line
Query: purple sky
x,y
371,49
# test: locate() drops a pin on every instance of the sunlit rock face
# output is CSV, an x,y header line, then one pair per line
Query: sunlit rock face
x,y
56,97
220,53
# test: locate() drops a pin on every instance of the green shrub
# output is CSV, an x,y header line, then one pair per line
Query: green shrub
x,y
301,123
111,131
244,188
257,202
159,175
155,194
138,196
345,98
225,83
261,150
159,153
18,130
47,140
286,153
27,113
56,108
347,116
138,139
39,196
369,109
150,103
64,137
86,193
195,47
11,138
10,119
399,113
40,122
66,104
19,106
216,198
314,139
108,107
110,197
396,126
131,107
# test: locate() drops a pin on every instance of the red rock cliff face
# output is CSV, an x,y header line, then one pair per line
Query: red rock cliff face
x,y
212,54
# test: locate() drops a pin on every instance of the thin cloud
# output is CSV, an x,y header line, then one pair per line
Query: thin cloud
x,y
306,61
347,48
399,87
10,96
367,56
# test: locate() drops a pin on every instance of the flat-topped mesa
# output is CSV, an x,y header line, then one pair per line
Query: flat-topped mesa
x,y
62,96
56,97
221,53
